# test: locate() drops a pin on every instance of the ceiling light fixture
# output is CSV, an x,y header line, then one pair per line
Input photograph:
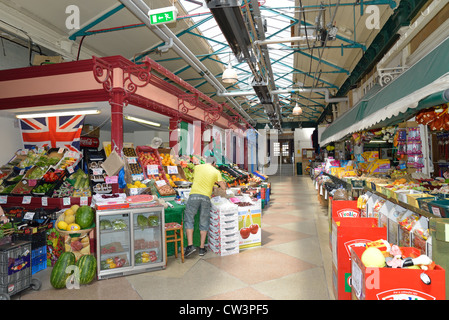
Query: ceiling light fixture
x,y
57,113
297,110
230,74
151,123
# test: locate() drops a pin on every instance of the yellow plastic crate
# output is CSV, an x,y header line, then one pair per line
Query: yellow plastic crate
x,y
412,198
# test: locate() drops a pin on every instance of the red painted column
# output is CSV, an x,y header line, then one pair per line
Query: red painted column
x,y
117,101
245,153
174,135
203,143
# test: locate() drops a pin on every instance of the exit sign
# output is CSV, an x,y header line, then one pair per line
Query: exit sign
x,y
163,15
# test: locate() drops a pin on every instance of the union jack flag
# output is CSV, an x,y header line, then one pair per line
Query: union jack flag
x,y
54,132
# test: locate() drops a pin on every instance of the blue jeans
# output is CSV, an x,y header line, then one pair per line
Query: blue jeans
x,y
194,203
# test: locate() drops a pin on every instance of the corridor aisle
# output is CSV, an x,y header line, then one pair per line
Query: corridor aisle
x,y
293,263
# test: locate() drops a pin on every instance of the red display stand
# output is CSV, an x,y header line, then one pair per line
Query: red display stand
x,y
395,283
347,233
339,209
345,209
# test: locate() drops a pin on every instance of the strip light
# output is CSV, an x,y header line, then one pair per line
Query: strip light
x,y
154,124
57,113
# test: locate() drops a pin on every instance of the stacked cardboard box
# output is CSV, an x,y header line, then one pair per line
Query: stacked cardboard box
x,y
223,228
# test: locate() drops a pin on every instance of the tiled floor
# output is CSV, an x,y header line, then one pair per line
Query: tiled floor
x,y
293,263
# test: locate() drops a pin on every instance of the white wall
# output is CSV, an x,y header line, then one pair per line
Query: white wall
x,y
10,140
303,139
139,138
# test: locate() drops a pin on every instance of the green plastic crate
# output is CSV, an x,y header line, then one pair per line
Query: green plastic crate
x,y
439,208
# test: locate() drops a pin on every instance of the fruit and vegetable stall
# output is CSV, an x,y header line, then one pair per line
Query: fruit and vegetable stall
x,y
74,213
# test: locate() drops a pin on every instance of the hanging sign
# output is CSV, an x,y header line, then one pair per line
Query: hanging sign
x,y
163,15
89,142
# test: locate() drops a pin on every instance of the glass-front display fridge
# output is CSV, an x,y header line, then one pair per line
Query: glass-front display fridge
x,y
130,241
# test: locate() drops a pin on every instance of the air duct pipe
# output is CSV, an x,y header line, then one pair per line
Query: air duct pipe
x,y
327,97
292,39
140,10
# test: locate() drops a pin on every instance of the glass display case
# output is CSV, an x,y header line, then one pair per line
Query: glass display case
x,y
130,241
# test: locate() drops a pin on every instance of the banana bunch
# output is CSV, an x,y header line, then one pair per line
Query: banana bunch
x,y
107,150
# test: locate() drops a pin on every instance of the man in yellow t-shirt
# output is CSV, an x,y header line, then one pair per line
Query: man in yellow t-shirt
x,y
204,178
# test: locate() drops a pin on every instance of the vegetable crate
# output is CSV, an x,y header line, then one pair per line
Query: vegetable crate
x,y
38,259
395,283
15,269
348,233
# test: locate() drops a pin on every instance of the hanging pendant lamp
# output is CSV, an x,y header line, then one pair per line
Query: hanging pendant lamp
x,y
229,75
297,110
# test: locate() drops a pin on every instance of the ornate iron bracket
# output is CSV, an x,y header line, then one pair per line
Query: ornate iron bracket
x,y
103,73
192,99
387,75
233,121
135,77
212,114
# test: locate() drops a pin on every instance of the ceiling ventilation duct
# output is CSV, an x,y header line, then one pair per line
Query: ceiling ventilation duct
x,y
229,17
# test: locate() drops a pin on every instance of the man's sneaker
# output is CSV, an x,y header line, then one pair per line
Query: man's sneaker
x,y
202,251
189,250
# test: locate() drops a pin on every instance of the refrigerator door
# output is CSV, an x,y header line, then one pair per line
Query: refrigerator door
x,y
114,241
148,235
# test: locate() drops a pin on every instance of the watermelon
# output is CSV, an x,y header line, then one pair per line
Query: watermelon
x,y
87,265
58,275
85,216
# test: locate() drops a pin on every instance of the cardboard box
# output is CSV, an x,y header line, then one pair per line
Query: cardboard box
x,y
341,209
395,283
224,251
90,131
250,216
222,230
40,60
217,236
347,233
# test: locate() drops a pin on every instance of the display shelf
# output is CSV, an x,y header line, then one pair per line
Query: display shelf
x,y
36,202
402,204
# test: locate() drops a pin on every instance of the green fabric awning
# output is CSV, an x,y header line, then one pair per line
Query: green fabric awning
x,y
422,86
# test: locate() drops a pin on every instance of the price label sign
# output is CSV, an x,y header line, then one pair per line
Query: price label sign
x,y
26,200
172,169
44,201
111,179
28,216
70,169
161,183
83,201
71,154
3,199
137,177
97,171
132,160
66,201
152,169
